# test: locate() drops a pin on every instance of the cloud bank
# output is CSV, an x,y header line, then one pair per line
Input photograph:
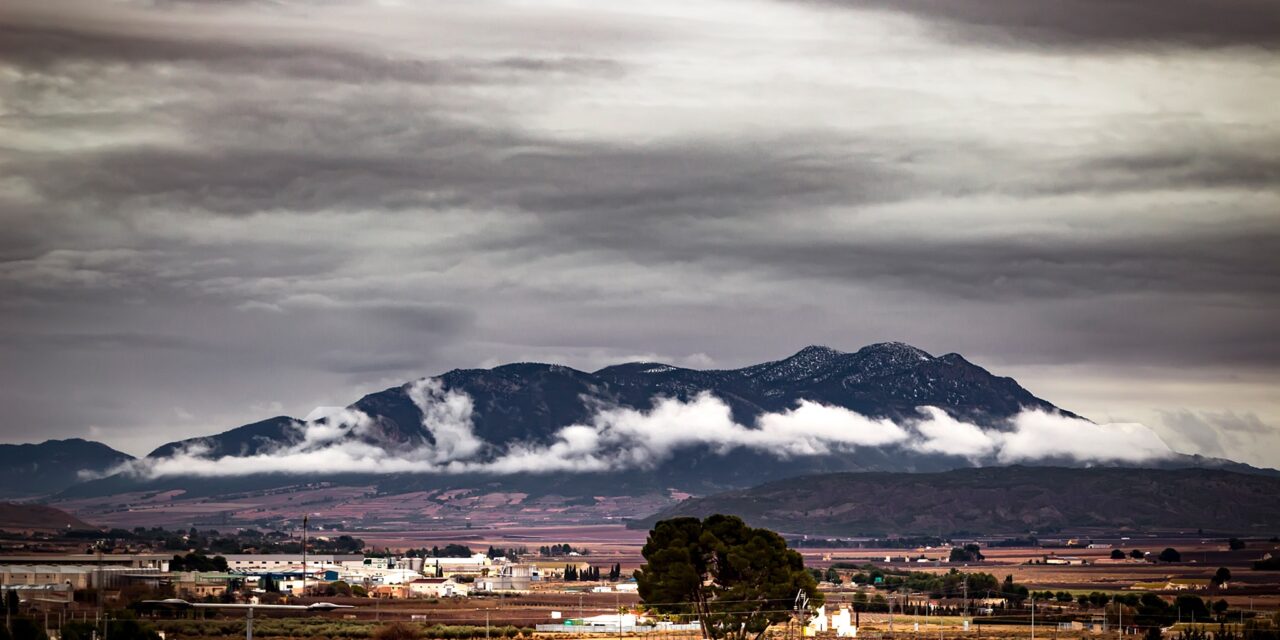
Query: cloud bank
x,y
622,438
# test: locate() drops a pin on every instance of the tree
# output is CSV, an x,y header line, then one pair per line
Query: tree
x,y
453,550
1220,607
1117,554
1193,606
1012,592
1152,604
398,631
1137,554
1235,544
1221,576
734,577
1170,555
1267,563
198,562
26,629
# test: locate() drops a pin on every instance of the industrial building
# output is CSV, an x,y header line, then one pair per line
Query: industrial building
x,y
281,561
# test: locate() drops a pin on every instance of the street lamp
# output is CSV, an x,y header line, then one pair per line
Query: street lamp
x,y
179,603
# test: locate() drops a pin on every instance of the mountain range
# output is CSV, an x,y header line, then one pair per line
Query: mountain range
x,y
524,408
529,402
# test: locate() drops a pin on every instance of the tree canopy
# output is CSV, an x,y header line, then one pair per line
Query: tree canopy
x,y
197,562
967,553
738,580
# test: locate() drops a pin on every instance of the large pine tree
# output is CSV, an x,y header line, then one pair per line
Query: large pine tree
x,y
738,580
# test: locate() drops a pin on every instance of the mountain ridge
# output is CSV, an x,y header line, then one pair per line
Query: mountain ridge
x,y
530,400
51,466
1013,499
527,405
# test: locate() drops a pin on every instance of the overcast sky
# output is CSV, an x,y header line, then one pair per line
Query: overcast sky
x,y
215,212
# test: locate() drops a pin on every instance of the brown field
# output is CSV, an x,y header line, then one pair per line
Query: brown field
x,y
1201,558
357,507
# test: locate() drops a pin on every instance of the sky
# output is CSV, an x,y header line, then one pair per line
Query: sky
x,y
216,212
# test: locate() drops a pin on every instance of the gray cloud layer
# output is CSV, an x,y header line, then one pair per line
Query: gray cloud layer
x,y
1088,24
285,205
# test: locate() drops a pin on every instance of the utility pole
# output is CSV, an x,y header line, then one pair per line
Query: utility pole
x,y
304,556
891,599
1033,617
97,588
486,624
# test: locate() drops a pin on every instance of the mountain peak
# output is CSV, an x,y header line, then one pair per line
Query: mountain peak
x,y
636,368
806,363
896,350
817,350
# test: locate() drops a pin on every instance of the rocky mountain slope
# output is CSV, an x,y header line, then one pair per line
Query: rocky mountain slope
x,y
528,402
53,465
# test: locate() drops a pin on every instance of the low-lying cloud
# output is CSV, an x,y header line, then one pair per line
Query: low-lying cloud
x,y
623,438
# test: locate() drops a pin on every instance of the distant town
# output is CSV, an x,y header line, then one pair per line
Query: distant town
x,y
192,583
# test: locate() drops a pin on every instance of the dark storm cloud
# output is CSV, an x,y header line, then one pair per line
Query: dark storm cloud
x,y
438,164
1254,164
104,341
360,363
1219,261
52,49
1090,24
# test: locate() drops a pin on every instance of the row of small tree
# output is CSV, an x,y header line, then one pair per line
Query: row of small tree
x,y
551,551
1169,554
513,554
451,550
591,573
